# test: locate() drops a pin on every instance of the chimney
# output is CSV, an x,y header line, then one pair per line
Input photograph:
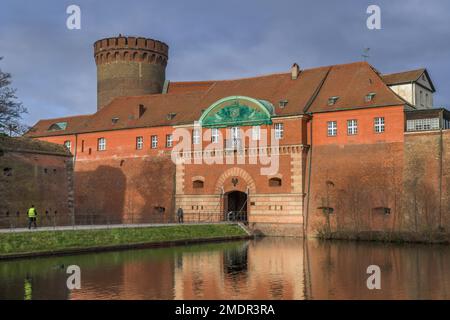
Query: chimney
x,y
295,70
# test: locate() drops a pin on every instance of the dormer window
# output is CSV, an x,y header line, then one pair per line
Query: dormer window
x,y
370,97
171,115
283,103
332,100
58,126
114,120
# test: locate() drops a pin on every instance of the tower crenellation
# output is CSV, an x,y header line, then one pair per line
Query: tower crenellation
x,y
128,66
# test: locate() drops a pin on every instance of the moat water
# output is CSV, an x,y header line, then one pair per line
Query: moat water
x,y
267,268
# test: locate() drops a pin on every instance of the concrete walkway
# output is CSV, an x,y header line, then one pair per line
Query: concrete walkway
x,y
111,226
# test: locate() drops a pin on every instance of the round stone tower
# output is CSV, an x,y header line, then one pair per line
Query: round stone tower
x,y
129,66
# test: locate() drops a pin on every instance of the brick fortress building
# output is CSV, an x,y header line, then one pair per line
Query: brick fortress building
x,y
347,138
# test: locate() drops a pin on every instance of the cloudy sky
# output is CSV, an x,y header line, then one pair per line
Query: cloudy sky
x,y
54,70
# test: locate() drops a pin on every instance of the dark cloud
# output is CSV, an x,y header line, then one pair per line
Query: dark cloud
x,y
54,70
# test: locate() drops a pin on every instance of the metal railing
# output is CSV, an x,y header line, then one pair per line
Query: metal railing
x,y
237,216
54,220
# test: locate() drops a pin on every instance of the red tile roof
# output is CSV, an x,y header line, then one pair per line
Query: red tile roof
x,y
187,100
25,144
402,77
195,86
74,124
352,83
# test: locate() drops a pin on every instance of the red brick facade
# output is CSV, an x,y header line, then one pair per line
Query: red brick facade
x,y
343,159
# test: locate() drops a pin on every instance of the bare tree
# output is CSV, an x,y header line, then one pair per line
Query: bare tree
x,y
11,110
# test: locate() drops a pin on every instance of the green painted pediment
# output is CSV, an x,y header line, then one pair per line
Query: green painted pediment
x,y
237,111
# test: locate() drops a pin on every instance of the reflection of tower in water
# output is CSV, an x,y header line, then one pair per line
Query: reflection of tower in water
x,y
235,267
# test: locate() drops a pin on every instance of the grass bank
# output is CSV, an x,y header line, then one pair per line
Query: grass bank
x,y
394,237
73,241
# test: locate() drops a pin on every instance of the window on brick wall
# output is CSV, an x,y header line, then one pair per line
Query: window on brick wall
x,y
279,131
275,182
169,140
422,124
139,143
68,145
332,128
352,127
256,133
196,136
379,124
214,135
235,141
197,184
154,142
101,144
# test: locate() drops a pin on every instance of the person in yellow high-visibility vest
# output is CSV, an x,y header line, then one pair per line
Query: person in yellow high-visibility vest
x,y
28,289
32,214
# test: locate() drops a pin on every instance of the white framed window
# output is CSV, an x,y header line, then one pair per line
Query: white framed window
x,y
214,135
256,133
352,127
139,143
279,131
68,145
154,140
235,134
332,128
379,124
101,144
422,124
196,136
169,140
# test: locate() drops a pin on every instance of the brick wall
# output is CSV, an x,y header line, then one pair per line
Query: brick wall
x,y
356,181
427,181
44,180
411,179
125,190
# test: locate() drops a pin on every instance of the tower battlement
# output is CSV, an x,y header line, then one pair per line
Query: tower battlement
x,y
130,49
129,66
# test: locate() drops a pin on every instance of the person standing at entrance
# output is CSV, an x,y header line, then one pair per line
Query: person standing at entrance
x,y
32,214
180,214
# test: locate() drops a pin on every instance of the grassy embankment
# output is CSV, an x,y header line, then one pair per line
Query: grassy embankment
x,y
60,241
395,237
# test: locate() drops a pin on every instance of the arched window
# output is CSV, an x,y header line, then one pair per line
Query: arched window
x,y
197,184
275,182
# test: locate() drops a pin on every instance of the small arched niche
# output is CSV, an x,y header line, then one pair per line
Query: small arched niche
x,y
198,182
275,182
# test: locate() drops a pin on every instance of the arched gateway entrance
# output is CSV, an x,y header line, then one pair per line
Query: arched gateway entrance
x,y
236,188
236,206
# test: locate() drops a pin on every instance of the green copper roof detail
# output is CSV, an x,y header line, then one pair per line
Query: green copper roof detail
x,y
237,111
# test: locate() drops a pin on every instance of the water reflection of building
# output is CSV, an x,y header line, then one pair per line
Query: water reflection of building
x,y
137,274
338,271
268,268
